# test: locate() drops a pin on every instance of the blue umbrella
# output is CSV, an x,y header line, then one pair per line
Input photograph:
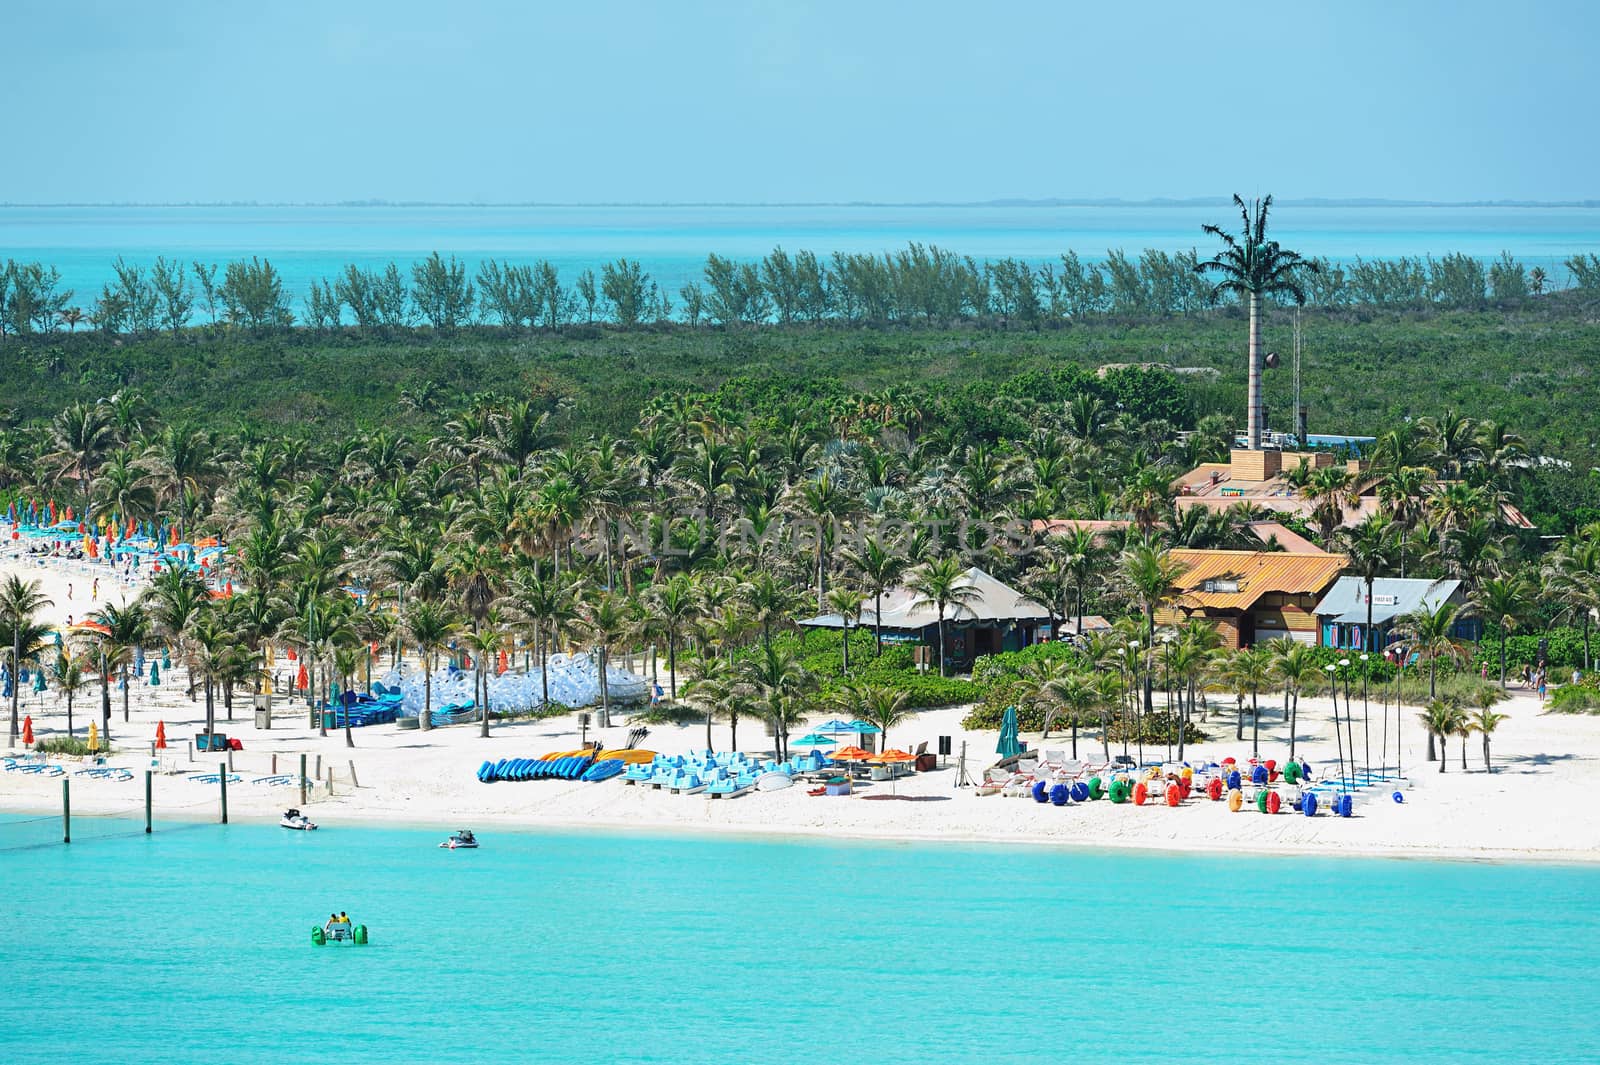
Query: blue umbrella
x,y
1009,745
833,727
864,726
815,740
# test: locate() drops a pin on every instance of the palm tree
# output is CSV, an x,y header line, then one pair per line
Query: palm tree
x,y
1371,548
879,567
1504,602
675,605
1074,693
127,629
886,708
67,677
605,619
940,584
1250,669
429,627
1296,666
210,645
1431,632
485,644
846,602
714,687
80,437
1441,718
1484,721
825,502
778,681
1253,268
1151,576
20,605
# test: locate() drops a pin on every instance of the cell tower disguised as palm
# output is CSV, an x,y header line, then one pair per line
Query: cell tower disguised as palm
x,y
1254,267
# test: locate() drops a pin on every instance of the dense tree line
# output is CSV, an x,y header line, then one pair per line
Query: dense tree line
x,y
920,284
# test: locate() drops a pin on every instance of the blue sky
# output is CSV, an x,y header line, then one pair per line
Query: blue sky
x,y
606,100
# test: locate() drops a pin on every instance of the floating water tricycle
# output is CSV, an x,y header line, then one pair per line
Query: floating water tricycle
x,y
339,932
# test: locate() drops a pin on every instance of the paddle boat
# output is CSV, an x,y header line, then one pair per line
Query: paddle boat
x,y
462,840
339,932
298,821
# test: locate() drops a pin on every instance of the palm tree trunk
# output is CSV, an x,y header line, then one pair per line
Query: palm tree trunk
x,y
1255,726
672,664
1253,418
124,693
426,720
1442,758
605,691
941,642
1487,768
877,624
211,708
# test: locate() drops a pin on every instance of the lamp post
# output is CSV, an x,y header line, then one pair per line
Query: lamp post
x,y
1166,683
1133,658
1366,724
1333,692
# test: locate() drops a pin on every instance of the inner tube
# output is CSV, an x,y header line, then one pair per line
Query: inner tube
x,y
1291,772
1140,793
1119,791
1097,788
1274,804
1260,775
1040,794
1308,804
1235,800
1261,800
1214,789
318,936
1079,791
1176,793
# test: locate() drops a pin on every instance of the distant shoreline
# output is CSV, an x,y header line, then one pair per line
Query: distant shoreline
x,y
1047,202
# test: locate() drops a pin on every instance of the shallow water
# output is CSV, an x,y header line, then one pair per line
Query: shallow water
x,y
308,243
192,945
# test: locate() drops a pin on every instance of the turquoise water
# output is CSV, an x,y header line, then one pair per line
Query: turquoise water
x,y
307,243
192,946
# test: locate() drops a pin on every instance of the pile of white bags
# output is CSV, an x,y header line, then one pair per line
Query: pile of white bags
x,y
574,681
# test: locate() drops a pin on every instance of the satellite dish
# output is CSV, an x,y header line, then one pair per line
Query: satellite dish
x,y
1271,360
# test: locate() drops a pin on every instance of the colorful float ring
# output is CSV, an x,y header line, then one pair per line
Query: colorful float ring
x,y
1079,791
1291,772
1184,786
1176,793
1261,800
1119,791
1214,789
1308,804
1040,791
1235,781
1235,800
1140,793
1345,805
1274,803
1058,795
1399,797
1260,775
1097,788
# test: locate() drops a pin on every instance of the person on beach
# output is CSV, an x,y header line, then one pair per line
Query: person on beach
x,y
1541,686
69,591
95,593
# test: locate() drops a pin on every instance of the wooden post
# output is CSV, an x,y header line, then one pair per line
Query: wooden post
x,y
330,780
318,773
274,763
66,809
230,759
353,781
302,780
222,778
149,789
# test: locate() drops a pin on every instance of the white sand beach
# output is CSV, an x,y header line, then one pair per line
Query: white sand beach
x,y
1536,805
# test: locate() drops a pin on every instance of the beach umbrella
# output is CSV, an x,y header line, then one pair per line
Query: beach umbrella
x,y
166,659
851,754
161,735
138,659
815,740
27,731
5,682
155,674
833,727
501,666
893,756
1009,744
94,736
288,652
303,680
38,680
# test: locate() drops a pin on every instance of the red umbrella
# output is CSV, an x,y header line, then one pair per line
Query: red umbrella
x,y
27,731
502,665
161,735
289,653
302,681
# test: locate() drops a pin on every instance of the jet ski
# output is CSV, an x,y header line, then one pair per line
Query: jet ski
x,y
298,821
462,840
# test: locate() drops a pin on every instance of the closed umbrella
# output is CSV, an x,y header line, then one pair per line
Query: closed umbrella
x,y
27,731
161,735
94,737
166,659
303,681
1009,744
155,674
38,680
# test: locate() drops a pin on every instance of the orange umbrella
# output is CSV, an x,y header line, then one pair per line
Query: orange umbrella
x,y
501,666
303,681
288,653
27,731
161,735
893,756
851,754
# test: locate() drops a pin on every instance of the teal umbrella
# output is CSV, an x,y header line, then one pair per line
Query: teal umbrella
x,y
814,740
166,659
155,674
38,680
867,727
1009,744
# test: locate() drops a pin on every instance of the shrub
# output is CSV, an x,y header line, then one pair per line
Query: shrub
x,y
69,745
991,668
1575,699
1159,727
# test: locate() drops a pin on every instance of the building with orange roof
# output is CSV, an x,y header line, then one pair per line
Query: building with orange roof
x,y
1252,596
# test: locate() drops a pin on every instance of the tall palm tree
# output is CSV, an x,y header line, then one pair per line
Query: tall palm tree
x,y
1253,268
1295,665
429,626
67,678
127,629
778,682
1506,603
941,584
605,619
80,437
1441,717
886,708
1484,721
1372,548
1151,576
846,602
675,605
1250,670
714,687
1431,633
21,603
878,566
1074,693
485,644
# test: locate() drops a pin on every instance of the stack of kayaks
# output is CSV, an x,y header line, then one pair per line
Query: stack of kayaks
x,y
587,765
